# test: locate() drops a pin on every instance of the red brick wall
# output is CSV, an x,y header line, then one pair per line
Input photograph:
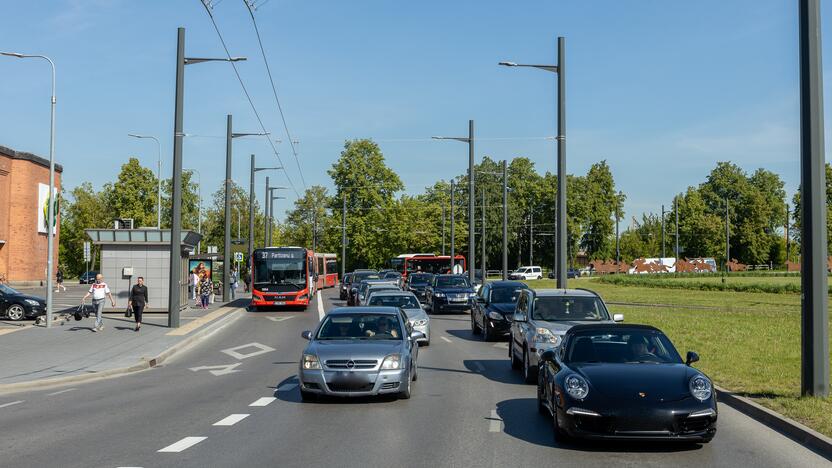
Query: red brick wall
x,y
23,257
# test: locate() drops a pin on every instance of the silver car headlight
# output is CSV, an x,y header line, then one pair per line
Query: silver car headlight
x,y
494,315
545,336
700,388
31,302
420,322
310,361
576,387
393,361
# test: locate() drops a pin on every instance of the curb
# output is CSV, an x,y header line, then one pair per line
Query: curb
x,y
143,364
792,429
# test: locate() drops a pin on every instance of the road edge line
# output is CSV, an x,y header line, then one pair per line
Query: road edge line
x,y
806,436
143,364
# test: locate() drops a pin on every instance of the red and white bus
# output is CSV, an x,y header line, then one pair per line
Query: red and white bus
x,y
326,265
282,277
428,263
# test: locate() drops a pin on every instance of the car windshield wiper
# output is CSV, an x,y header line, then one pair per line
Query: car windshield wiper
x,y
643,362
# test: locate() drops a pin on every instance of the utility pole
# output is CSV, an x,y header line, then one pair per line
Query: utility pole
x,y
343,236
676,209
617,237
226,251
727,236
471,243
482,237
314,230
175,272
443,228
662,232
453,252
531,237
251,213
267,220
814,369
505,220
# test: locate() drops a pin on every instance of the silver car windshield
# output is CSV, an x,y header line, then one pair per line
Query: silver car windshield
x,y
568,308
408,302
360,327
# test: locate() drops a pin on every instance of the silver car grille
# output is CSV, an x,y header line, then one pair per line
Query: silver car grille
x,y
362,364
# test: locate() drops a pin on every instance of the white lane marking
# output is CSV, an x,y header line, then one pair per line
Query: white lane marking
x,y
446,339
320,306
234,352
60,391
479,367
263,401
231,420
496,424
286,387
221,369
501,345
4,405
183,444
280,319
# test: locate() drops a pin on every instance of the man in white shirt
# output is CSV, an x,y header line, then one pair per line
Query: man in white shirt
x,y
194,279
99,291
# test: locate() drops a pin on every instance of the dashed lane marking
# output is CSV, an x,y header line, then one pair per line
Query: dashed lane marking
x,y
231,420
320,306
446,339
183,444
5,405
236,354
287,387
60,391
280,319
263,401
495,423
501,345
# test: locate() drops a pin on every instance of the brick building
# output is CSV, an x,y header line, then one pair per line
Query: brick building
x,y
24,190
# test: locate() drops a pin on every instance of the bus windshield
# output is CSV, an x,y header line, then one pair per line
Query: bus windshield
x,y
282,268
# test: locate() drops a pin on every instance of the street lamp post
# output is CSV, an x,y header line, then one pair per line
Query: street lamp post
x,y
470,140
50,218
175,271
254,170
199,207
453,253
505,220
158,177
560,70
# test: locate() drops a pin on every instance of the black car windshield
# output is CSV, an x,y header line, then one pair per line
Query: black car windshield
x,y
398,300
452,282
360,327
567,308
420,278
392,274
505,295
7,290
627,346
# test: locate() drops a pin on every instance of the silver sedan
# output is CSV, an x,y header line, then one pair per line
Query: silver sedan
x,y
407,302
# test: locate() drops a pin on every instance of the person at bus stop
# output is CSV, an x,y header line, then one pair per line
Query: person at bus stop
x,y
99,291
193,279
205,290
232,282
138,301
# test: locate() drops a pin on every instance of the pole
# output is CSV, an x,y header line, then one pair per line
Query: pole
x,y
662,237
482,237
505,220
50,223
677,227
443,228
175,272
561,221
531,237
814,375
471,240
199,211
267,220
226,253
727,237
617,246
344,237
251,212
452,227
314,230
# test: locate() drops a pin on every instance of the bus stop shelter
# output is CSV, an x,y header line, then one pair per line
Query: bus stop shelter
x,y
127,254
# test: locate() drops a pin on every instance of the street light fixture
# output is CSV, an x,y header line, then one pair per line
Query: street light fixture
x,y
560,240
158,176
50,219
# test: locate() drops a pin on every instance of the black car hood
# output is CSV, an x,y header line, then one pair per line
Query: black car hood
x,y
625,382
504,309
26,296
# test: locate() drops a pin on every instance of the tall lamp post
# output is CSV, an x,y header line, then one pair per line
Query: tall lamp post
x,y
50,219
198,207
158,177
254,170
560,240
470,140
175,271
272,198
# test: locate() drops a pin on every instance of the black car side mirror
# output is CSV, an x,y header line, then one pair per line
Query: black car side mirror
x,y
548,355
691,358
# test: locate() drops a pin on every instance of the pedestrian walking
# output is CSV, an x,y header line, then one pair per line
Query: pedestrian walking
x,y
194,281
247,280
138,301
205,290
232,281
99,292
59,279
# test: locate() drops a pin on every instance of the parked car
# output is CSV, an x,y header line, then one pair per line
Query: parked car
x,y
16,306
417,283
88,277
449,293
359,352
625,382
406,301
570,274
543,316
526,273
493,308
344,290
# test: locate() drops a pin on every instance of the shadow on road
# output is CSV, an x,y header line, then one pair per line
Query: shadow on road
x,y
465,334
448,318
497,370
288,390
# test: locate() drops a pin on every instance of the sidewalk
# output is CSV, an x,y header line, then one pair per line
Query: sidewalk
x,y
72,349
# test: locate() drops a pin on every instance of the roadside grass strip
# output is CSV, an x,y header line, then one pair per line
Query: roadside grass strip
x,y
182,445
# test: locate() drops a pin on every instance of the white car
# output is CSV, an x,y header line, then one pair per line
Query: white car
x,y
526,273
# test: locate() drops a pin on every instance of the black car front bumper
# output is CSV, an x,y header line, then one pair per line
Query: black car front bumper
x,y
441,304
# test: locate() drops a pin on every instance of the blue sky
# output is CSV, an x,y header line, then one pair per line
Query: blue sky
x,y
662,90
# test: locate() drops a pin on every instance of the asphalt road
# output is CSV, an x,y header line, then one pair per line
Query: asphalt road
x,y
468,409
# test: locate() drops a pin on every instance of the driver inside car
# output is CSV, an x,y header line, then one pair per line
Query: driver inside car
x,y
638,348
383,327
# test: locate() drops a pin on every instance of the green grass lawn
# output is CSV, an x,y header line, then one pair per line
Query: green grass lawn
x,y
748,342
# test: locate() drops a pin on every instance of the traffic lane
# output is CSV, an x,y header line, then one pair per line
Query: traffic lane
x,y
144,412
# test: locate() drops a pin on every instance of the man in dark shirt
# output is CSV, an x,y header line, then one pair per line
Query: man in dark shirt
x,y
138,301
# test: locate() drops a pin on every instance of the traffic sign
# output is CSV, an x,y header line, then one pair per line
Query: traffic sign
x,y
238,256
86,251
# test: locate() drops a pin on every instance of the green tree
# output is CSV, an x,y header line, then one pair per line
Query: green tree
x,y
83,209
133,195
190,202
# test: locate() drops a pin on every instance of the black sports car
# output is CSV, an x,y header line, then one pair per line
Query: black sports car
x,y
625,382
15,305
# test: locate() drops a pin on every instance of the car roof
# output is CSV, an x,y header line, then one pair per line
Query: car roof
x,y
564,292
617,327
507,284
364,310
393,293
448,275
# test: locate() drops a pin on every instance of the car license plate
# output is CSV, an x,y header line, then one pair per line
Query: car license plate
x,y
279,302
457,299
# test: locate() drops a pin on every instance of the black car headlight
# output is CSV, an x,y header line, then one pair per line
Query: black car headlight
x,y
31,302
438,294
494,315
700,387
576,387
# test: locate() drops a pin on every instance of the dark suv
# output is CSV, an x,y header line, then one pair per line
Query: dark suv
x,y
417,283
451,293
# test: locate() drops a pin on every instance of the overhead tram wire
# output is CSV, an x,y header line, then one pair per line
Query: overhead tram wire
x,y
207,5
274,90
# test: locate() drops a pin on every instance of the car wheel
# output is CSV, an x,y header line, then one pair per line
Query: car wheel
x,y
515,363
425,343
541,408
487,334
15,312
308,396
529,372
405,394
